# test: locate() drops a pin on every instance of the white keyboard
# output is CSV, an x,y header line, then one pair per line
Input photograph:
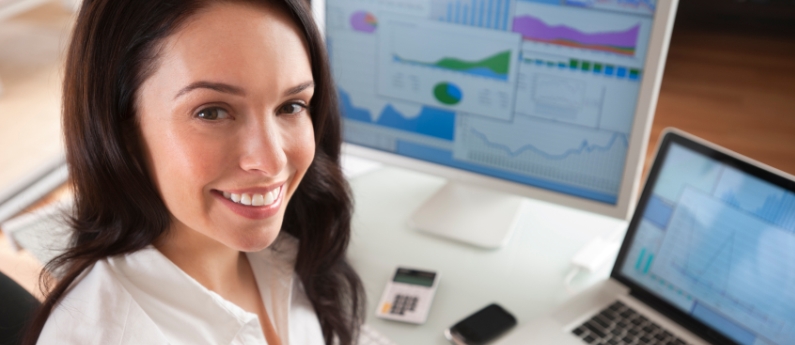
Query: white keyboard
x,y
369,336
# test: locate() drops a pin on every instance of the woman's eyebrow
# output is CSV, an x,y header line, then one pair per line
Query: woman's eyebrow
x,y
220,87
301,87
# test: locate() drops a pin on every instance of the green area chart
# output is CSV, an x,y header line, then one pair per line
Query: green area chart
x,y
495,66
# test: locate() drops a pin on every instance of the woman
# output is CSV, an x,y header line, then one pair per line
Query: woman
x,y
203,140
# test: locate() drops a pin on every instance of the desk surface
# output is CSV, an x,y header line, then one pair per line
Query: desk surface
x,y
526,277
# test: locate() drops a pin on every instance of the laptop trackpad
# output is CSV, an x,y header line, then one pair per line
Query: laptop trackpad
x,y
539,331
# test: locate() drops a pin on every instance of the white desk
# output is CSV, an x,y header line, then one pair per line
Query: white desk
x,y
526,277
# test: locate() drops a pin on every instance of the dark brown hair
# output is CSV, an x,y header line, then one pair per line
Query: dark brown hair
x,y
117,210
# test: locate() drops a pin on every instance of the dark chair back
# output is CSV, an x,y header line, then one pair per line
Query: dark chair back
x,y
16,308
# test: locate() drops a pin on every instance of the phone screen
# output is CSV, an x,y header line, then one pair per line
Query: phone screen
x,y
484,325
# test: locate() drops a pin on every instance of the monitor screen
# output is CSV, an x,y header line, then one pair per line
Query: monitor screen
x,y
537,92
719,244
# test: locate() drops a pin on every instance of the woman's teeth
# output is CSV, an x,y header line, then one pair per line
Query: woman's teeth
x,y
266,199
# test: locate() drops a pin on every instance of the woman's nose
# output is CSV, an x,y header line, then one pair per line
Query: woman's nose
x,y
263,149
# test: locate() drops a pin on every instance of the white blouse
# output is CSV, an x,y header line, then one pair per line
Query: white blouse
x,y
143,298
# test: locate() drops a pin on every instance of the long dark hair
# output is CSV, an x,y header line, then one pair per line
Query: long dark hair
x,y
117,210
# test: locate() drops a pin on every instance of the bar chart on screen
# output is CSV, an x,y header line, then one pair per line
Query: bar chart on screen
x,y
557,88
491,14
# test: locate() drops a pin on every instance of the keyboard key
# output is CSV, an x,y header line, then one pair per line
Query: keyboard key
x,y
601,322
595,330
618,324
607,314
617,305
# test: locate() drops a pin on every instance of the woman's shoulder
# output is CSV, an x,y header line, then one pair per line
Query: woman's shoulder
x,y
98,309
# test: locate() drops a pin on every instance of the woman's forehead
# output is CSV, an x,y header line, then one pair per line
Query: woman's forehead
x,y
238,44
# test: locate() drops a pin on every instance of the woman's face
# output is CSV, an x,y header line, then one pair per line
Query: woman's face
x,y
224,123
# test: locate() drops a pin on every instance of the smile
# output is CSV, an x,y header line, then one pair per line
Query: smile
x,y
254,199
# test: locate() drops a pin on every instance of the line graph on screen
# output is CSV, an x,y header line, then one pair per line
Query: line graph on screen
x,y
563,153
731,261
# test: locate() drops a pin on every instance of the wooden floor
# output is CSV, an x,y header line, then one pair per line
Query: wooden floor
x,y
732,89
737,90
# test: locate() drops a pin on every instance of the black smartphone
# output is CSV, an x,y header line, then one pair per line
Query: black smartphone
x,y
482,326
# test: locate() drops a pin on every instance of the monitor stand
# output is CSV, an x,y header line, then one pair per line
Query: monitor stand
x,y
474,215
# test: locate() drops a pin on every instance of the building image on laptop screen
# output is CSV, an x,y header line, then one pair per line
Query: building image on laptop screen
x,y
720,245
540,93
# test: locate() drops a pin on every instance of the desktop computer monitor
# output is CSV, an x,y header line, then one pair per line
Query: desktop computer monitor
x,y
547,99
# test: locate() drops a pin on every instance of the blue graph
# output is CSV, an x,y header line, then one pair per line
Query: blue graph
x,y
644,261
762,199
637,6
658,212
585,146
779,210
431,121
492,14
445,157
734,264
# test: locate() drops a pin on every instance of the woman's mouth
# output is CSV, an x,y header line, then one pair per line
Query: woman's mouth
x,y
254,199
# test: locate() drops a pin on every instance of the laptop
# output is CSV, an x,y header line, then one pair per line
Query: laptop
x,y
708,258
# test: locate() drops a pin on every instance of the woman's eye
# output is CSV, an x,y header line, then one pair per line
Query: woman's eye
x,y
291,108
212,114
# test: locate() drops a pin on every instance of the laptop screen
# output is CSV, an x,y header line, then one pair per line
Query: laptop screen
x,y
718,244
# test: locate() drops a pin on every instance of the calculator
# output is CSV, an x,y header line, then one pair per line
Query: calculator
x,y
408,295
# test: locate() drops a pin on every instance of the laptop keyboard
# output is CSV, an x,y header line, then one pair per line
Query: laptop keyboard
x,y
620,324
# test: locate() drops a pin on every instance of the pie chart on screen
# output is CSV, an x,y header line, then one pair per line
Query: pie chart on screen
x,y
363,21
447,93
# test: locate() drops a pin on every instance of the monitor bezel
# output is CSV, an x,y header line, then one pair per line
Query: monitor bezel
x,y
654,65
721,155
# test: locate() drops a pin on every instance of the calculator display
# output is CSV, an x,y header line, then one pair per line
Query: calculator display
x,y
414,277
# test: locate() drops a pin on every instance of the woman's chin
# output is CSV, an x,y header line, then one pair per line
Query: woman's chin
x,y
254,242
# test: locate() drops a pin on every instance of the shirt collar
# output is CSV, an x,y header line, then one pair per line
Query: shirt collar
x,y
175,300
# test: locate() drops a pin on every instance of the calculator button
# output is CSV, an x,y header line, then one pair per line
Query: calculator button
x,y
403,303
